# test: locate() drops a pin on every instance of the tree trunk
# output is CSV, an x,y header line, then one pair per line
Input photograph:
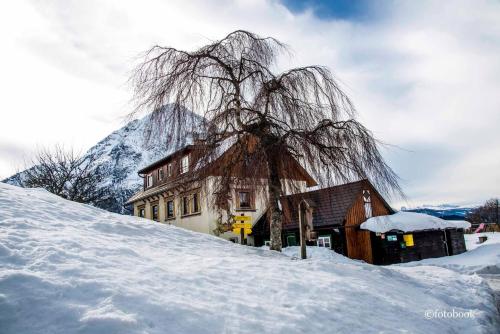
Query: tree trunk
x,y
275,215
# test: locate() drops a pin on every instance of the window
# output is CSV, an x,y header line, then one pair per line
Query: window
x,y
142,212
154,211
244,199
196,205
169,170
149,180
185,205
191,204
368,203
170,209
184,164
324,242
160,174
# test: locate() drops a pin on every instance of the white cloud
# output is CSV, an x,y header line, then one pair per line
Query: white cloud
x,y
424,76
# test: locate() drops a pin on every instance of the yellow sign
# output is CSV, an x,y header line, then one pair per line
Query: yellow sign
x,y
408,238
245,231
243,218
242,225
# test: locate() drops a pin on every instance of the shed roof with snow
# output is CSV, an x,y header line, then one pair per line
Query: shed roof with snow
x,y
410,222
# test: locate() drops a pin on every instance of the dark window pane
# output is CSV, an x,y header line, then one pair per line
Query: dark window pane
x,y
244,199
170,209
196,207
185,205
155,212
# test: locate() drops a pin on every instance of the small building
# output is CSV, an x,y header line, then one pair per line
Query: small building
x,y
352,219
410,236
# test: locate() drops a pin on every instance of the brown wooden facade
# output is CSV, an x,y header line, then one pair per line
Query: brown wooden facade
x,y
337,213
358,241
389,248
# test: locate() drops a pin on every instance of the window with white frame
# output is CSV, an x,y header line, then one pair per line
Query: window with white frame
x,y
169,170
324,241
160,174
367,200
184,164
149,180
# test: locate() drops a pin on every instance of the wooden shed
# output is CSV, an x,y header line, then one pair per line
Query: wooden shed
x,y
409,236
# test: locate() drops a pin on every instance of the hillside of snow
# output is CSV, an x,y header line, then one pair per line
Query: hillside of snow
x,y
71,268
122,154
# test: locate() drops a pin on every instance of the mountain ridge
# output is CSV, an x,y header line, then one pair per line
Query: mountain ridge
x,y
122,153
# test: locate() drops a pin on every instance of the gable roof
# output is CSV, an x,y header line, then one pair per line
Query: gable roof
x,y
330,205
162,161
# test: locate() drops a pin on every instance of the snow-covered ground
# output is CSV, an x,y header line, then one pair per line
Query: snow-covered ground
x,y
67,267
472,240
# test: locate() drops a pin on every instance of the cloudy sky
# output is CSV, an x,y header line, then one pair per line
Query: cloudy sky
x,y
424,75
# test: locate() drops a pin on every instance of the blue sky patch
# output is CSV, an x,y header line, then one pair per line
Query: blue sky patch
x,y
354,10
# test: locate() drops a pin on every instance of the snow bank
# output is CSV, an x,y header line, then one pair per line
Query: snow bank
x,y
472,240
67,267
410,222
484,259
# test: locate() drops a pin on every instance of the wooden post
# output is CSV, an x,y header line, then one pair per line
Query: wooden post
x,y
242,232
302,232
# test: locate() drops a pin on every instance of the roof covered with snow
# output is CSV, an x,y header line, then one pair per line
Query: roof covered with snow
x,y
410,222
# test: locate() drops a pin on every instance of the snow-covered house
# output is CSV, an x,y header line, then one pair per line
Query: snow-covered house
x,y
167,197
411,236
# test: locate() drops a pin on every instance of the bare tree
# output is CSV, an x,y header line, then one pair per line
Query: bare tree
x,y
67,175
274,118
488,214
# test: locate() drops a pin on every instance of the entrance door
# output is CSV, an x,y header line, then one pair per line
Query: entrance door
x,y
291,240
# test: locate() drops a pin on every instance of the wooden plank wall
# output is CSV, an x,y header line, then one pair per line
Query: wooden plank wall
x,y
358,241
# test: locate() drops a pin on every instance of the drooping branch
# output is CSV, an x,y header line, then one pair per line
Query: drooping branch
x,y
228,92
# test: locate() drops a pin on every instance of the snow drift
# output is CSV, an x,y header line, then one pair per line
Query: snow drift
x,y
67,267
